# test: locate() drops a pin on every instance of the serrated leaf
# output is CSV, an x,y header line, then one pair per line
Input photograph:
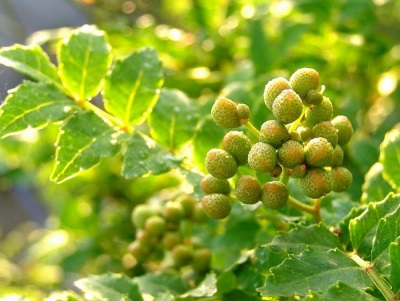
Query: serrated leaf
x,y
109,287
84,59
207,288
173,119
314,270
194,178
299,239
143,156
363,228
83,140
390,157
33,105
344,292
131,90
394,256
154,284
375,187
31,61
344,223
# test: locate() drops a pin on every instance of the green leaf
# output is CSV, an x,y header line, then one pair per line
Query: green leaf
x,y
363,228
207,288
109,287
344,292
131,90
84,59
31,61
345,222
390,157
394,256
154,284
33,105
82,141
62,296
315,270
194,178
173,119
375,187
143,156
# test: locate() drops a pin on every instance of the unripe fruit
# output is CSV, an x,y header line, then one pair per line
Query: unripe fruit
x,y
321,112
248,189
287,106
188,204
304,80
224,113
238,145
141,213
295,136
155,225
341,178
171,239
274,133
318,152
199,215
173,211
182,255
326,130
273,88
210,184
276,172
220,164
275,194
291,153
201,260
344,127
304,131
138,251
243,112
316,183
262,157
313,98
298,171
338,156
217,205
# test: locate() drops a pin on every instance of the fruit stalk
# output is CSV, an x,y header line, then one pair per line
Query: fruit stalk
x,y
313,210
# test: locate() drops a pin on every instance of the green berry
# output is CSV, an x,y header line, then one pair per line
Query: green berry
x,y
238,145
276,172
303,80
304,131
224,113
174,211
291,153
262,157
275,194
147,239
171,239
243,112
341,179
344,127
155,225
141,213
298,171
274,133
273,88
295,136
326,130
199,215
318,152
210,184
182,255
220,163
313,98
138,251
316,183
217,205
201,260
338,155
287,106
188,203
321,112
248,189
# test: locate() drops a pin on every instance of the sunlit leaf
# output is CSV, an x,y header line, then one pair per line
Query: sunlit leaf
x,y
390,157
394,256
207,288
375,187
344,292
63,296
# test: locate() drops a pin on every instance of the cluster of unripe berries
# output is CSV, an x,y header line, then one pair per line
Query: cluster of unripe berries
x,y
304,141
160,237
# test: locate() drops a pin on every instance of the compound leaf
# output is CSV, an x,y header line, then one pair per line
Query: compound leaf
x,y
394,256
389,155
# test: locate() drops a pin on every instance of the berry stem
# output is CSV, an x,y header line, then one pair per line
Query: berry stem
x,y
284,176
252,129
296,123
313,210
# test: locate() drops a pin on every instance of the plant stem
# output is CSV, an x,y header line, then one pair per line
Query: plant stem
x,y
296,123
313,210
284,176
375,277
103,114
252,129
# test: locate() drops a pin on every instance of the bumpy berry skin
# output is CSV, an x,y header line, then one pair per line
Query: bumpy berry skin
x,y
305,131
182,255
291,153
318,152
276,172
275,194
287,106
304,80
316,183
273,88
298,171
274,133
217,205
243,112
238,145
248,189
210,184
341,179
155,225
224,113
321,112
313,98
338,156
344,127
220,163
141,213
262,157
326,130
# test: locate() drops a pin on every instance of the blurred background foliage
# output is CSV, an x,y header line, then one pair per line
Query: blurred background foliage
x,y
54,234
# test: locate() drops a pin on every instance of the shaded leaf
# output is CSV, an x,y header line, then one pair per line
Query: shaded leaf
x,y
194,178
131,90
33,105
390,157
62,296
394,256
344,223
154,284
84,58
82,141
344,292
375,187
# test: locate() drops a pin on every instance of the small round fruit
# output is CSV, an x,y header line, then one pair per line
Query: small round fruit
x,y
338,156
305,132
326,130
210,184
141,213
344,127
171,239
299,171
199,215
220,163
341,179
313,98
217,205
243,112
188,203
224,113
303,80
155,225
274,133
291,153
248,189
201,260
287,106
275,194
276,172
173,211
182,255
273,88
262,157
318,152
316,183
138,251
321,112
238,145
